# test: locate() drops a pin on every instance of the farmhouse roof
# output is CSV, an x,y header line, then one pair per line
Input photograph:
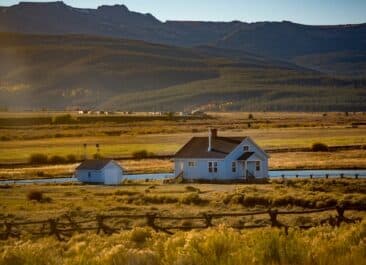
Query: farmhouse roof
x,y
245,156
197,147
93,164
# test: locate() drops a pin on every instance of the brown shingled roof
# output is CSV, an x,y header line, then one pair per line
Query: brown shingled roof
x,y
93,164
197,147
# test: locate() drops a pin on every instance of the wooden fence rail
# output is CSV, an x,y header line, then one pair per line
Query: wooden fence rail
x,y
64,229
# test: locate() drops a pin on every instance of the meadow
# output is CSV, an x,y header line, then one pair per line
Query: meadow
x,y
219,245
288,138
121,136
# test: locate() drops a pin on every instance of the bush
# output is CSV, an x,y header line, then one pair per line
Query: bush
x,y
62,119
35,195
319,147
193,198
71,158
38,159
142,154
250,116
57,160
5,138
140,235
192,189
97,156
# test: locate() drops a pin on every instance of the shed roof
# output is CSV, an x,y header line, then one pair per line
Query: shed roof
x,y
93,164
197,147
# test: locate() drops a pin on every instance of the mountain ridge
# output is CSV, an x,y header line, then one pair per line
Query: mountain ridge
x,y
283,40
79,71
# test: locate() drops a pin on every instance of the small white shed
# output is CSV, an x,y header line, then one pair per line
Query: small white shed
x,y
107,172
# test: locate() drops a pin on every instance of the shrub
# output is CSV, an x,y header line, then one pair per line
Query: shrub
x,y
62,119
140,235
193,198
319,147
71,158
57,160
38,158
126,192
5,138
159,199
97,156
35,195
142,154
6,186
192,189
251,201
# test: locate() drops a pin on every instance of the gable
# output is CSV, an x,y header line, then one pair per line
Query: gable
x,y
239,154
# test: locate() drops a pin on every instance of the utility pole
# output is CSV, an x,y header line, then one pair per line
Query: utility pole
x,y
85,155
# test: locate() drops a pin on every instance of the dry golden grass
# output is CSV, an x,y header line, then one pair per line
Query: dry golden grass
x,y
143,197
130,166
319,160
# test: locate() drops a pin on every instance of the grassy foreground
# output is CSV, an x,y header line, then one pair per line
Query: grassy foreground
x,y
221,246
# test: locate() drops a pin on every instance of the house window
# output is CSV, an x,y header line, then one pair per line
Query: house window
x,y
191,163
257,165
212,167
89,174
245,148
233,167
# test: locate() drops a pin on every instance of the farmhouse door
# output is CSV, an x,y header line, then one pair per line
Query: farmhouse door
x,y
250,172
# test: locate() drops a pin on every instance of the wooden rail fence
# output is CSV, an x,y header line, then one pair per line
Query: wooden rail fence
x,y
64,226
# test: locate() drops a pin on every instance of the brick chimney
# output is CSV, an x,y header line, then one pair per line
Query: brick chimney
x,y
212,134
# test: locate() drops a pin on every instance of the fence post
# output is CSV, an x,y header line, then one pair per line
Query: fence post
x,y
340,210
208,219
53,228
273,217
8,227
151,221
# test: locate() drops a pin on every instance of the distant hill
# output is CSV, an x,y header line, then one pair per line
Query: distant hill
x,y
330,49
74,71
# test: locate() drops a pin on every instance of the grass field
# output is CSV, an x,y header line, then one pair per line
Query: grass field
x,y
219,245
119,136
139,197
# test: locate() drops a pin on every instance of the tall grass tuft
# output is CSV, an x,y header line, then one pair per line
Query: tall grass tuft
x,y
217,246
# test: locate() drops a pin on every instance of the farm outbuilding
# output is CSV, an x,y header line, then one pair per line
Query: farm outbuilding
x,y
107,172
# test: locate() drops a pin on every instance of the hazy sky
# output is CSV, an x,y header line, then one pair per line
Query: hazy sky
x,y
301,11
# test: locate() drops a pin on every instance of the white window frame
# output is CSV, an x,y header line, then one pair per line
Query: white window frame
x,y
213,167
246,148
233,167
257,165
192,163
210,167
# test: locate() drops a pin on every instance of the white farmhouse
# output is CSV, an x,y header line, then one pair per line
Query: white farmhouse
x,y
107,172
221,158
